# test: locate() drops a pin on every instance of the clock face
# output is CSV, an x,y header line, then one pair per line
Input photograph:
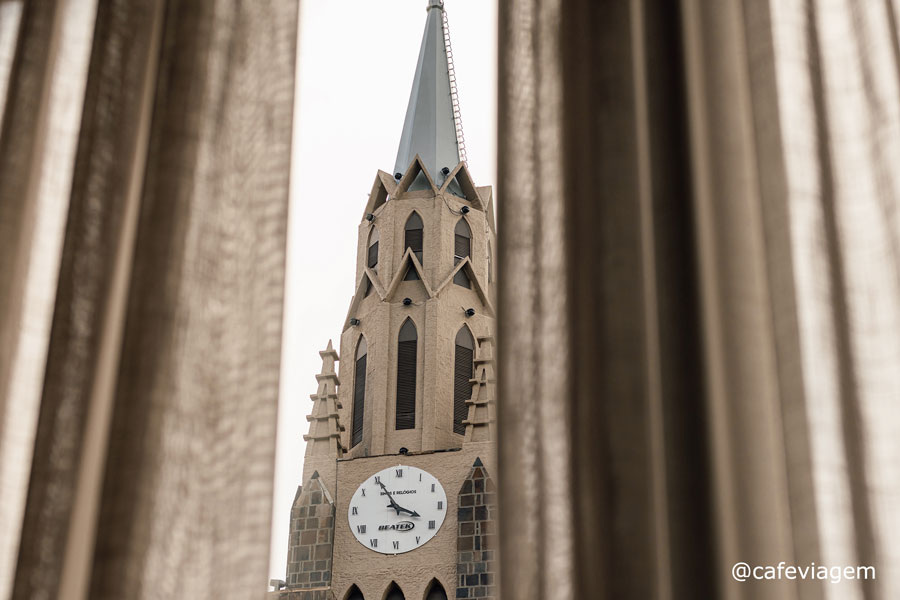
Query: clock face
x,y
397,509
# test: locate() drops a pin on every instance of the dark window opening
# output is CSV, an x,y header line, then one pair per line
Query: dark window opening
x,y
462,248
462,279
436,592
463,371
359,393
407,346
372,261
355,594
395,593
372,254
414,238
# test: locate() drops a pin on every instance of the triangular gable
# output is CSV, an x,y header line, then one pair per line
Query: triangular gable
x,y
360,293
315,482
409,260
466,265
382,189
461,175
416,167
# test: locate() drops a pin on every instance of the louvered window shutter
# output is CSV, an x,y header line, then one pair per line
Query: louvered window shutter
x,y
359,399
462,388
461,248
462,279
406,385
414,240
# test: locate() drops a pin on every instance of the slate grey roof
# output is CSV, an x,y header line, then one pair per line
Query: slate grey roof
x,y
429,129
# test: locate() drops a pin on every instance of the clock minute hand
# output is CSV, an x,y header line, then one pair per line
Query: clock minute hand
x,y
394,504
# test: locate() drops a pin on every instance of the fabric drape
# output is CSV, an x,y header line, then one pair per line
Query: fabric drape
x,y
700,299
144,160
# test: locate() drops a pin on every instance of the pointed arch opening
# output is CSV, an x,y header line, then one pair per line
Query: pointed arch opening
x,y
414,239
435,591
463,368
354,594
394,592
407,352
359,392
462,248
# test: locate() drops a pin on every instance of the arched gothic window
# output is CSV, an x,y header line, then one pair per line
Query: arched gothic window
x,y
462,373
394,593
462,247
359,392
436,591
355,594
414,239
407,345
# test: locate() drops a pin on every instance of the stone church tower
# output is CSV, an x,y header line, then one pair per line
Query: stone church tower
x,y
397,498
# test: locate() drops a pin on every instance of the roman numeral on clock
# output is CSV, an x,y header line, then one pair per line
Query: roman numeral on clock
x,y
430,524
353,510
361,528
373,543
377,480
417,539
398,472
432,488
396,545
363,492
440,505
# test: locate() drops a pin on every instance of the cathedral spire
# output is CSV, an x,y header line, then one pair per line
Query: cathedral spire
x,y
430,127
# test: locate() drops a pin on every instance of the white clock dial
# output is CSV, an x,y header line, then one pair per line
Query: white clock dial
x,y
397,509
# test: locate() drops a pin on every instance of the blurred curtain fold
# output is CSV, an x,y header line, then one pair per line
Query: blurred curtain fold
x,y
144,161
700,296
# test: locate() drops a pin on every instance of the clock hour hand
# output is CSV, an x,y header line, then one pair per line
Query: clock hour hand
x,y
412,513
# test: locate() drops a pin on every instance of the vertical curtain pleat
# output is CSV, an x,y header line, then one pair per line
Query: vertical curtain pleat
x,y
45,54
154,443
700,296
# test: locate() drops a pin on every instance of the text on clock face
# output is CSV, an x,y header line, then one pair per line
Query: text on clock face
x,y
397,510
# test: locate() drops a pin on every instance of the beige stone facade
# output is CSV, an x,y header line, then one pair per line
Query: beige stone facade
x,y
460,556
354,564
415,391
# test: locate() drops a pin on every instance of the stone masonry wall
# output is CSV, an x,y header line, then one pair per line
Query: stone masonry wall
x,y
311,540
476,539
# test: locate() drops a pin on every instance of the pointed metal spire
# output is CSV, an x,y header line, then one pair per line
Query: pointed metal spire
x,y
429,129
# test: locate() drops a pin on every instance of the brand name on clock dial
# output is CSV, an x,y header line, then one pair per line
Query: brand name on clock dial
x,y
401,526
